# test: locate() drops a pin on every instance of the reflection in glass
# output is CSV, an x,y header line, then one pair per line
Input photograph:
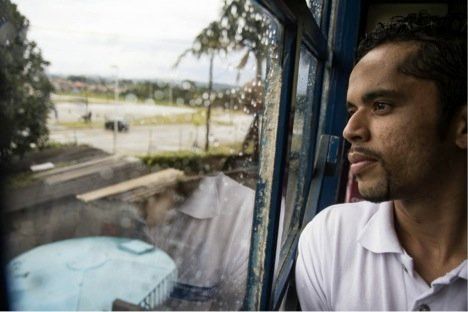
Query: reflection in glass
x,y
315,7
152,157
300,143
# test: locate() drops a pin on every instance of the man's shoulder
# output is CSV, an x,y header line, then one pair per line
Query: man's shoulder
x,y
341,220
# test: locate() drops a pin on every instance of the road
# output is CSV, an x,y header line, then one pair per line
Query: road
x,y
225,129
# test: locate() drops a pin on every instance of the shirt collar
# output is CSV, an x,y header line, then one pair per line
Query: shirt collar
x,y
378,235
461,270
458,272
204,201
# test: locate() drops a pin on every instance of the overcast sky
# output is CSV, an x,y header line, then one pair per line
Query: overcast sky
x,y
142,37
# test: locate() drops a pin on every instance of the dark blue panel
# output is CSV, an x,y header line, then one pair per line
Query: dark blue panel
x,y
347,29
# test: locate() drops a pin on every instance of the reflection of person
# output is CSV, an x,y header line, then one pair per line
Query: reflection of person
x,y
405,248
208,236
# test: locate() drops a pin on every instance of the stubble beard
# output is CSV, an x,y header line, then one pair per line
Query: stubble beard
x,y
380,191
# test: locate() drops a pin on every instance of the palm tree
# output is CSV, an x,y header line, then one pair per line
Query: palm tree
x,y
246,29
240,27
208,42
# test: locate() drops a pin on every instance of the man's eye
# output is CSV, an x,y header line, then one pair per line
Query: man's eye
x,y
350,112
382,108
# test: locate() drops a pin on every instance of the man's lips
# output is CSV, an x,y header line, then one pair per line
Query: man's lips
x,y
360,162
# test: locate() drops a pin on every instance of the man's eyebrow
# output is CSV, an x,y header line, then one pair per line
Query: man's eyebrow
x,y
369,96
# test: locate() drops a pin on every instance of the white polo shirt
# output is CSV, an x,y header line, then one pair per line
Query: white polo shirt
x,y
350,259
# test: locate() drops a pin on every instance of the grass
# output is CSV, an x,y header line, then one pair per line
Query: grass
x,y
99,98
194,162
25,178
20,180
197,119
225,150
80,124
79,98
54,144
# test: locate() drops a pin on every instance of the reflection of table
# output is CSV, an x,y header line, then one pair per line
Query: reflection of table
x,y
89,274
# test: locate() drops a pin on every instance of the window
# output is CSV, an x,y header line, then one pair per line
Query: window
x,y
161,119
307,145
316,7
300,143
188,144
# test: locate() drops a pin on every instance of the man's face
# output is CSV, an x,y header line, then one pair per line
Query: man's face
x,y
395,148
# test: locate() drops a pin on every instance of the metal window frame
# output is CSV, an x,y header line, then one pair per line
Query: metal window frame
x,y
300,28
348,17
292,239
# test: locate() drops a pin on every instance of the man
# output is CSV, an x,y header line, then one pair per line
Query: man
x,y
404,248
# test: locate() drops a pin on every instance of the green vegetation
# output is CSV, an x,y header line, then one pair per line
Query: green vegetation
x,y
100,98
20,180
55,145
197,118
81,98
192,162
27,177
186,92
81,124
25,89
239,28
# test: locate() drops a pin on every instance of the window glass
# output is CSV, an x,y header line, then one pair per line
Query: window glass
x,y
300,140
315,7
137,183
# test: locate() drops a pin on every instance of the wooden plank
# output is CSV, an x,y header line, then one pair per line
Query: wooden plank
x,y
73,167
158,179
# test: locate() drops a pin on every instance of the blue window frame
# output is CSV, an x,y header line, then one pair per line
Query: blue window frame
x,y
331,44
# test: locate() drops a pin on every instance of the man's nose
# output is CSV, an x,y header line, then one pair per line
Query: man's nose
x,y
356,129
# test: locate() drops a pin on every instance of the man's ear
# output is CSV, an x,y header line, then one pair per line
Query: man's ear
x,y
460,128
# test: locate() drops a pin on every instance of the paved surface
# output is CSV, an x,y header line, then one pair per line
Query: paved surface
x,y
149,139
225,129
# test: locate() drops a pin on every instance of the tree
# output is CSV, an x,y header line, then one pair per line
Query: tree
x,y
240,27
208,42
247,29
24,87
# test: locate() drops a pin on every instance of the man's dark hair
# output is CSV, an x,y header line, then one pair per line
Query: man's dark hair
x,y
440,57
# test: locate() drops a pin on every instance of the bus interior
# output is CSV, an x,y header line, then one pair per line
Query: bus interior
x,y
181,155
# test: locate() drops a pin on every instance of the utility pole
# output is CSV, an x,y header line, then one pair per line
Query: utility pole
x,y
116,97
208,108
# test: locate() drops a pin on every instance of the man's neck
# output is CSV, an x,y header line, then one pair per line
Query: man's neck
x,y
432,229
